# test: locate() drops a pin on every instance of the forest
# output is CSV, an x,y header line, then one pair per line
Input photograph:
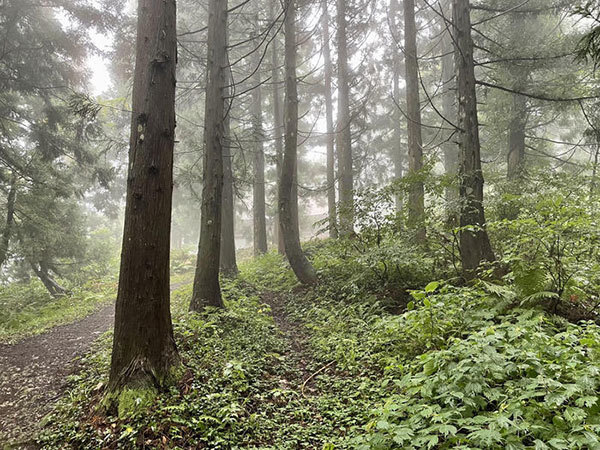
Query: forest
x,y
300,224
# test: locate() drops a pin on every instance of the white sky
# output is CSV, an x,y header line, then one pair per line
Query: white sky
x,y
100,80
98,65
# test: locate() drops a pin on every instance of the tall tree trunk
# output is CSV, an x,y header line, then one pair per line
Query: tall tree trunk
x,y
228,258
207,290
10,219
416,196
398,69
331,206
259,209
344,136
516,137
298,261
474,242
519,74
228,261
277,124
449,111
144,350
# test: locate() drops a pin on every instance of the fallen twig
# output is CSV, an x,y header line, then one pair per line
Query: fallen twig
x,y
325,367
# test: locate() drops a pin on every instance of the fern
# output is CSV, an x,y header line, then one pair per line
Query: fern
x,y
539,296
500,291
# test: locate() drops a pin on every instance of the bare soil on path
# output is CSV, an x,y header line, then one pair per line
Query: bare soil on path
x,y
33,373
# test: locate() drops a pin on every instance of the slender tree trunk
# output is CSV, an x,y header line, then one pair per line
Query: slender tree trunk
x,y
344,136
298,261
519,74
474,242
207,290
228,261
331,206
595,168
398,69
43,273
449,111
295,198
277,124
516,137
416,197
228,258
259,208
144,350
10,219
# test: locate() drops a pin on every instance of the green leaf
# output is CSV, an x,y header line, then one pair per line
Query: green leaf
x,y
446,429
432,287
486,436
418,295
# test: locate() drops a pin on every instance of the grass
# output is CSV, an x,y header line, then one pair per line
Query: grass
x,y
28,309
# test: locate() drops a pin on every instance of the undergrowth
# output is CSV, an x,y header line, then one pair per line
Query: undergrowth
x,y
372,363
241,389
28,309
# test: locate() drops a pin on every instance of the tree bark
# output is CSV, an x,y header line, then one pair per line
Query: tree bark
x,y
207,290
144,350
298,261
259,209
278,128
416,196
474,241
595,168
228,260
327,68
516,137
343,135
398,149
519,74
449,111
228,257
43,273
10,219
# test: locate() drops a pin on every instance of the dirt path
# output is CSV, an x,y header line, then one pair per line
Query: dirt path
x,y
33,372
297,339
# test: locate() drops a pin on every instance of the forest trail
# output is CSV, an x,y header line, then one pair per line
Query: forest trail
x,y
297,339
33,372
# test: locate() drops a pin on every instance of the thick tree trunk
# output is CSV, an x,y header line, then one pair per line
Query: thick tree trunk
x,y
344,136
327,68
449,111
228,258
278,128
144,350
10,219
207,290
259,209
474,241
298,261
416,196
398,155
